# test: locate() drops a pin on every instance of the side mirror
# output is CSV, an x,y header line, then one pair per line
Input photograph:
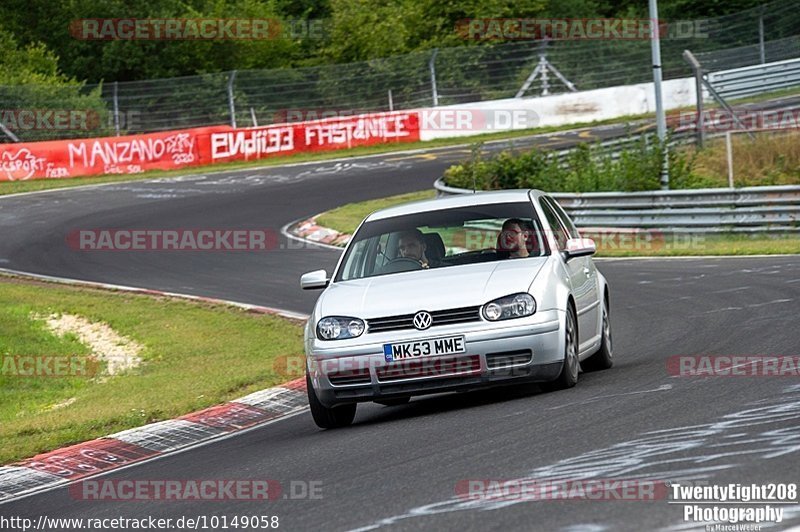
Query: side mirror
x,y
579,247
314,280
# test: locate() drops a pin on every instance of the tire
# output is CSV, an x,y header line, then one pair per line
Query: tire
x,y
394,402
604,358
569,371
329,418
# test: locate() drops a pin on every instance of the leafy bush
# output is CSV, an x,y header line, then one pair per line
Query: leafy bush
x,y
587,168
771,158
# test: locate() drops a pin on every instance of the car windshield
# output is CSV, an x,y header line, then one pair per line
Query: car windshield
x,y
442,239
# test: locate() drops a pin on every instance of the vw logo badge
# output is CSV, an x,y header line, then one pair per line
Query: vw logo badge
x,y
422,320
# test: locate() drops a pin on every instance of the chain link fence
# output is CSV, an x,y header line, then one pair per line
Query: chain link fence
x,y
457,75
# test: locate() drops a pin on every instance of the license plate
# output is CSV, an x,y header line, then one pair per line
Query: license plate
x,y
434,347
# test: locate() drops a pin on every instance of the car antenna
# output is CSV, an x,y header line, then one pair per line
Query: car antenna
x,y
475,155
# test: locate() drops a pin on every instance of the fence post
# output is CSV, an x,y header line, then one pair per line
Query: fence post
x,y
231,106
391,103
661,119
761,35
116,109
729,154
698,87
432,66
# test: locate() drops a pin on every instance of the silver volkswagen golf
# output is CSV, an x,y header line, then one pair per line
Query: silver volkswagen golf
x,y
455,294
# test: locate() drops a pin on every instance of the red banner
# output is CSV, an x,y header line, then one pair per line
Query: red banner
x,y
199,146
315,135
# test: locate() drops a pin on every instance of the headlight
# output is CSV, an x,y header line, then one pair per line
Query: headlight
x,y
508,307
339,328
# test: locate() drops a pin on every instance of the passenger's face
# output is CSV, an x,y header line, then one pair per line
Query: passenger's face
x,y
513,238
411,248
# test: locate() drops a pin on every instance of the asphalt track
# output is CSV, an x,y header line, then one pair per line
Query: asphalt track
x,y
398,467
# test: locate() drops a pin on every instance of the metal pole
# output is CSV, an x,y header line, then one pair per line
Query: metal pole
x,y
729,153
432,66
231,107
545,83
391,103
661,119
116,109
8,132
761,36
253,117
698,87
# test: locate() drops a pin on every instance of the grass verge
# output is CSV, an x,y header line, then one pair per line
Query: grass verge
x,y
346,218
195,355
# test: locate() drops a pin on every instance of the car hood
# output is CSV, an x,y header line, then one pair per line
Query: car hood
x,y
435,289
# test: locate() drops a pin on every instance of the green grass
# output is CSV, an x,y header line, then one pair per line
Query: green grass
x,y
195,355
346,218
697,245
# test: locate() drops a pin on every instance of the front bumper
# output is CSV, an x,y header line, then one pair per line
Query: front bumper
x,y
515,351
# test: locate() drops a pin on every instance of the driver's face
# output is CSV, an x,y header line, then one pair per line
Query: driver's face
x,y
411,248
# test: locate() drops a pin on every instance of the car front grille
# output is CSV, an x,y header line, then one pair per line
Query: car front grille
x,y
433,367
440,317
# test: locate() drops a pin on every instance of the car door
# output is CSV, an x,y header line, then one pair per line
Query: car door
x,y
581,271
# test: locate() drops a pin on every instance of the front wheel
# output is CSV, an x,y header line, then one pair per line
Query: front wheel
x,y
329,418
604,358
569,372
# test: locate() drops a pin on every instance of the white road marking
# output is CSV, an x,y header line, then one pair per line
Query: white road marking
x,y
731,290
662,388
679,453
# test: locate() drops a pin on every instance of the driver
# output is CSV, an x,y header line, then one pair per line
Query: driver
x,y
411,245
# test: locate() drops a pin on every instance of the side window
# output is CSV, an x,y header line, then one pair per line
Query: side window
x,y
565,221
553,221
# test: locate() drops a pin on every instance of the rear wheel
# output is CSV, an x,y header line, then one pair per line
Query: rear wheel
x,y
394,402
569,372
328,418
604,358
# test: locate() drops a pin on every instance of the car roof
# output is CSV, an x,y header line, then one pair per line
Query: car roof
x,y
459,200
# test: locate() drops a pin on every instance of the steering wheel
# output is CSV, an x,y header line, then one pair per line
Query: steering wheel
x,y
401,264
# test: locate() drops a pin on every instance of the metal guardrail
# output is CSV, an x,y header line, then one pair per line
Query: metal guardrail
x,y
615,146
748,81
774,209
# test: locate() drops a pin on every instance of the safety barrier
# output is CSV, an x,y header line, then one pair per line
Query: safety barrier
x,y
711,210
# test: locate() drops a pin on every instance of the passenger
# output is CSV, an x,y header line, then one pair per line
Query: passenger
x,y
513,240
